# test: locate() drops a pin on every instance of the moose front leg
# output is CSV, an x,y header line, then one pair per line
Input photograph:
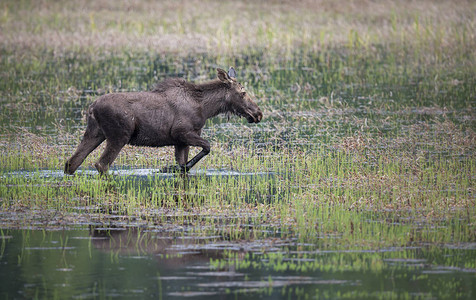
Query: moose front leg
x,y
181,155
197,141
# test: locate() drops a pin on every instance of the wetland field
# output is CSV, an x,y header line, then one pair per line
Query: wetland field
x,y
358,183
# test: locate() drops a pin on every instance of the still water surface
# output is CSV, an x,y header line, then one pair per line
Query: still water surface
x,y
125,263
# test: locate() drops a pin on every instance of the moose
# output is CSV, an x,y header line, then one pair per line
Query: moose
x,y
173,113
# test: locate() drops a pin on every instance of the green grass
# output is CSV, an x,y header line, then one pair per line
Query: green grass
x,y
313,196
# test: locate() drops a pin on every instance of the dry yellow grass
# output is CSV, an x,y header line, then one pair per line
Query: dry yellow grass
x,y
229,27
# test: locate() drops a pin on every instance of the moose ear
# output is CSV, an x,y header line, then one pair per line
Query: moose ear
x,y
232,72
222,75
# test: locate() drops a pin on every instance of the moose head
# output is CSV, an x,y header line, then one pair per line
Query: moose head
x,y
237,99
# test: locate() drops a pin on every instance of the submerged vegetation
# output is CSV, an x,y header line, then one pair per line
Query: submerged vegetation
x,y
367,140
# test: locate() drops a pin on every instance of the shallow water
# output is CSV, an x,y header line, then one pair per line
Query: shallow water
x,y
127,263
134,173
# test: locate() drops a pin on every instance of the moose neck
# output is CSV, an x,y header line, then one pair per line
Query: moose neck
x,y
213,98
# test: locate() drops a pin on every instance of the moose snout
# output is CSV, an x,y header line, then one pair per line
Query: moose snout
x,y
256,117
259,116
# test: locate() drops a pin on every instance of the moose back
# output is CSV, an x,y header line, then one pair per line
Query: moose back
x,y
172,114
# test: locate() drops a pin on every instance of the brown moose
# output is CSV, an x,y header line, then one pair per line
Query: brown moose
x,y
172,114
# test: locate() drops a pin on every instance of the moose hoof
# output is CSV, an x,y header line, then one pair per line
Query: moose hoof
x,y
174,169
67,168
101,168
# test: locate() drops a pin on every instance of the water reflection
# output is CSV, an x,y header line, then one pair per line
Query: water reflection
x,y
166,247
105,262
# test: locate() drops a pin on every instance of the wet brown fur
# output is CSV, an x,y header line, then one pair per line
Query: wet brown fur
x,y
172,114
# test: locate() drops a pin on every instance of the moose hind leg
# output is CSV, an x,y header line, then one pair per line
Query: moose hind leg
x,y
108,156
87,145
